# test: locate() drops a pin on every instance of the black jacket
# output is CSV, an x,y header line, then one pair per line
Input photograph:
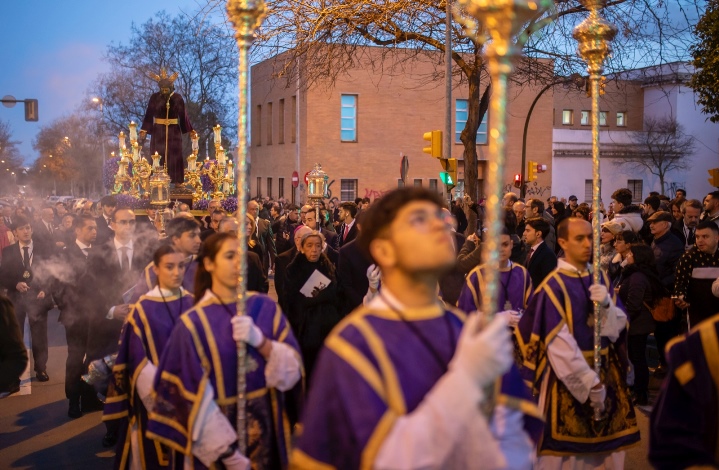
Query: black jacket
x,y
41,279
104,232
351,235
281,262
667,250
75,295
13,355
352,267
636,292
256,275
542,262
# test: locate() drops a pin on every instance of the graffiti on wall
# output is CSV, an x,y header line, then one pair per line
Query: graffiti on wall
x,y
531,189
373,194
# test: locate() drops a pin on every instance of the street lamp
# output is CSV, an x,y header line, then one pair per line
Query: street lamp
x,y
98,101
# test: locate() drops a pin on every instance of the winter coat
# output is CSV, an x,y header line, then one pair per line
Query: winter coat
x,y
636,292
631,216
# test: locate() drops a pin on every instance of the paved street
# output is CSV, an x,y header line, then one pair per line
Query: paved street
x,y
35,432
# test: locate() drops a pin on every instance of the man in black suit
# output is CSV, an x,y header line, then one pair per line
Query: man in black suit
x,y
348,229
215,218
263,235
23,274
685,228
352,279
108,205
331,238
45,231
541,259
75,302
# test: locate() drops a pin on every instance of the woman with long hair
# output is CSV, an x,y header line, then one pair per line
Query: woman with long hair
x,y
196,388
639,291
142,341
311,292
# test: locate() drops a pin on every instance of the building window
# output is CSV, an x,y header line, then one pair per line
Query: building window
x,y
259,125
433,184
348,190
636,187
269,123
259,186
584,120
418,183
269,187
400,183
281,187
461,111
567,117
621,119
348,120
293,129
281,126
602,118
588,190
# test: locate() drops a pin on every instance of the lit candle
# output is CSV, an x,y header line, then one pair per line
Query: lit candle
x,y
226,187
221,156
191,163
218,134
230,171
133,131
135,152
156,161
121,139
195,142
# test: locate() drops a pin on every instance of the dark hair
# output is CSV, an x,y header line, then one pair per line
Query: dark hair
x,y
164,249
112,217
351,207
559,207
693,203
684,191
653,193
384,210
628,236
60,203
366,200
71,215
78,221
210,248
653,202
20,221
179,225
108,201
708,224
643,256
540,225
358,201
645,263
623,196
537,204
714,194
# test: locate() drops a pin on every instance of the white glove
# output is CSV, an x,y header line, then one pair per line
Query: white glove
x,y
236,461
513,316
597,397
244,329
373,276
598,293
485,355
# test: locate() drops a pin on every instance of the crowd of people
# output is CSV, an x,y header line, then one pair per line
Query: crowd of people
x,y
375,353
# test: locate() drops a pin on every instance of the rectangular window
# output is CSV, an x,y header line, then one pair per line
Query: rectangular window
x,y
281,188
293,129
269,187
418,183
588,190
400,183
621,119
258,121
433,184
602,118
348,120
636,187
348,190
567,117
584,120
461,112
259,186
269,123
281,124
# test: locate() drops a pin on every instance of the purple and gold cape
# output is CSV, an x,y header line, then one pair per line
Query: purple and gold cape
x,y
201,351
563,299
515,285
373,369
143,338
685,420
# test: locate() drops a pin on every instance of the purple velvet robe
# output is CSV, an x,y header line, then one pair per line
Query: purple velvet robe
x,y
374,363
143,338
201,351
515,286
563,299
157,109
148,280
685,420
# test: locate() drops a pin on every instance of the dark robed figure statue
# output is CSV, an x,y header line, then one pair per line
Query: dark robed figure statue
x,y
166,120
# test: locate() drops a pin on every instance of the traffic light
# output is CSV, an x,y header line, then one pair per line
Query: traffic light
x,y
714,180
532,170
517,180
31,110
435,143
449,175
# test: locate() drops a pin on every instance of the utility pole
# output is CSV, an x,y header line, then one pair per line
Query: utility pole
x,y
448,87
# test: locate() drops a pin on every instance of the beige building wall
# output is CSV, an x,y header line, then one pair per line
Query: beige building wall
x,y
394,108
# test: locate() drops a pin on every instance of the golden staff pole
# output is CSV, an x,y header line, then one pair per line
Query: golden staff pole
x,y
593,35
246,16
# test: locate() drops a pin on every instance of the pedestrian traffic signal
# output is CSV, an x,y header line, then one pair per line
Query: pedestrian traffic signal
x,y
449,175
435,143
517,180
714,180
532,170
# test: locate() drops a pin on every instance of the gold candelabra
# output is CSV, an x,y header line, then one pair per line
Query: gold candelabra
x,y
594,35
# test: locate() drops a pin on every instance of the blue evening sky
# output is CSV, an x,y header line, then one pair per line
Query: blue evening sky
x,y
53,51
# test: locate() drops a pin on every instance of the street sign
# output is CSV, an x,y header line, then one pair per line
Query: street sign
x,y
9,101
307,181
404,168
295,179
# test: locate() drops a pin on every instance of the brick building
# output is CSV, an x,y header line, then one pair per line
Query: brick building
x,y
359,128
